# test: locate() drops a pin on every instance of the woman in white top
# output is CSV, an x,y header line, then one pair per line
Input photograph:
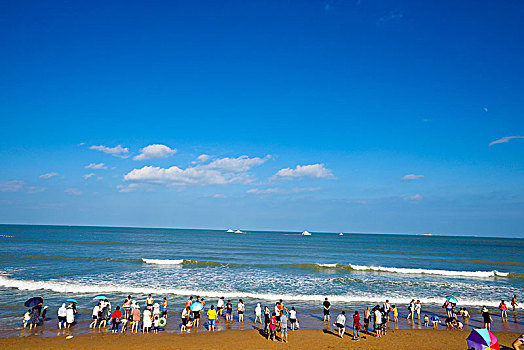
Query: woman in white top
x,y
62,313
70,316
96,310
241,308
258,314
147,322
293,317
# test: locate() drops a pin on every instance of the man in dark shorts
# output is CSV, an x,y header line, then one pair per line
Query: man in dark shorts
x,y
327,306
229,311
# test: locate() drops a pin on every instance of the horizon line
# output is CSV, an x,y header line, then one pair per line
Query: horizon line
x,y
258,230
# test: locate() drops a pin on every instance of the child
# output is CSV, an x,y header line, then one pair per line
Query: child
x,y
426,321
156,321
27,317
272,327
435,321
395,313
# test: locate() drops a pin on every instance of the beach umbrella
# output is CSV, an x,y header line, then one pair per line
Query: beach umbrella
x,y
71,300
196,306
482,339
34,302
100,297
451,299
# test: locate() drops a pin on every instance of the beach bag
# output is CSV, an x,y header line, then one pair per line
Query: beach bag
x,y
297,325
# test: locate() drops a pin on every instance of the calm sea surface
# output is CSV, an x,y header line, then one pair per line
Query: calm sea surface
x,y
353,270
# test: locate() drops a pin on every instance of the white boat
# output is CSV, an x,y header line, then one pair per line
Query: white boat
x,y
230,231
238,231
341,234
305,233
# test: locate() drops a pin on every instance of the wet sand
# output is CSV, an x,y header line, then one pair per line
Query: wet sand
x,y
252,339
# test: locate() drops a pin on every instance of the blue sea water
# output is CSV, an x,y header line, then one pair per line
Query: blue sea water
x,y
353,270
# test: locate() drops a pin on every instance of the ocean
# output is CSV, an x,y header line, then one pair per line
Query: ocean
x,y
353,270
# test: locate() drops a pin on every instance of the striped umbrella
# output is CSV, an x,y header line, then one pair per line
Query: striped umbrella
x,y
482,339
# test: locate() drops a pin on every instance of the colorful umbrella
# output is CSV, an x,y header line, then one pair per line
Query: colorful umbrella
x,y
451,299
482,339
71,300
34,302
100,297
196,306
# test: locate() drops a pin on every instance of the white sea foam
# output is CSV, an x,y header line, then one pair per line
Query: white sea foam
x,y
163,261
75,288
327,265
430,272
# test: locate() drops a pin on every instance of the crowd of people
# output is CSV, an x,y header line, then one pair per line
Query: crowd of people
x,y
152,317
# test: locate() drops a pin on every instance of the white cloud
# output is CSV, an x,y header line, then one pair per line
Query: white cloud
x,y
35,189
96,166
19,185
414,198
219,172
154,152
126,189
316,171
505,139
11,186
410,177
219,195
201,159
117,151
242,163
87,176
73,191
48,175
282,190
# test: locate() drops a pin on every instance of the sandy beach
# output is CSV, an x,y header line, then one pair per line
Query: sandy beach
x,y
252,339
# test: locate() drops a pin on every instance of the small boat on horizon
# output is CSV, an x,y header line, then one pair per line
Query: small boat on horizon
x,y
230,231
305,233
238,231
341,234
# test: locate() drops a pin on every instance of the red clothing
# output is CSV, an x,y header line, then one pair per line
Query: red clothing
x,y
116,314
503,306
356,320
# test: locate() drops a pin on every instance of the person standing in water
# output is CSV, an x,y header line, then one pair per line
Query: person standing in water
x,y
503,310
62,314
229,311
164,308
258,314
487,318
241,308
220,306
211,317
326,306
514,303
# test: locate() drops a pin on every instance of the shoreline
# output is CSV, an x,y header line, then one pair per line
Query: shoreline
x,y
309,319
252,339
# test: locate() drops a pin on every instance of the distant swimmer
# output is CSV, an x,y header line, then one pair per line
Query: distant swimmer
x,y
514,303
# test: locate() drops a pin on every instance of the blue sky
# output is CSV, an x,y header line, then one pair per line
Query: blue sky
x,y
353,116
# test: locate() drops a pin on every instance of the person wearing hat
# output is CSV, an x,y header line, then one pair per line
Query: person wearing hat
x,y
136,318
487,318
